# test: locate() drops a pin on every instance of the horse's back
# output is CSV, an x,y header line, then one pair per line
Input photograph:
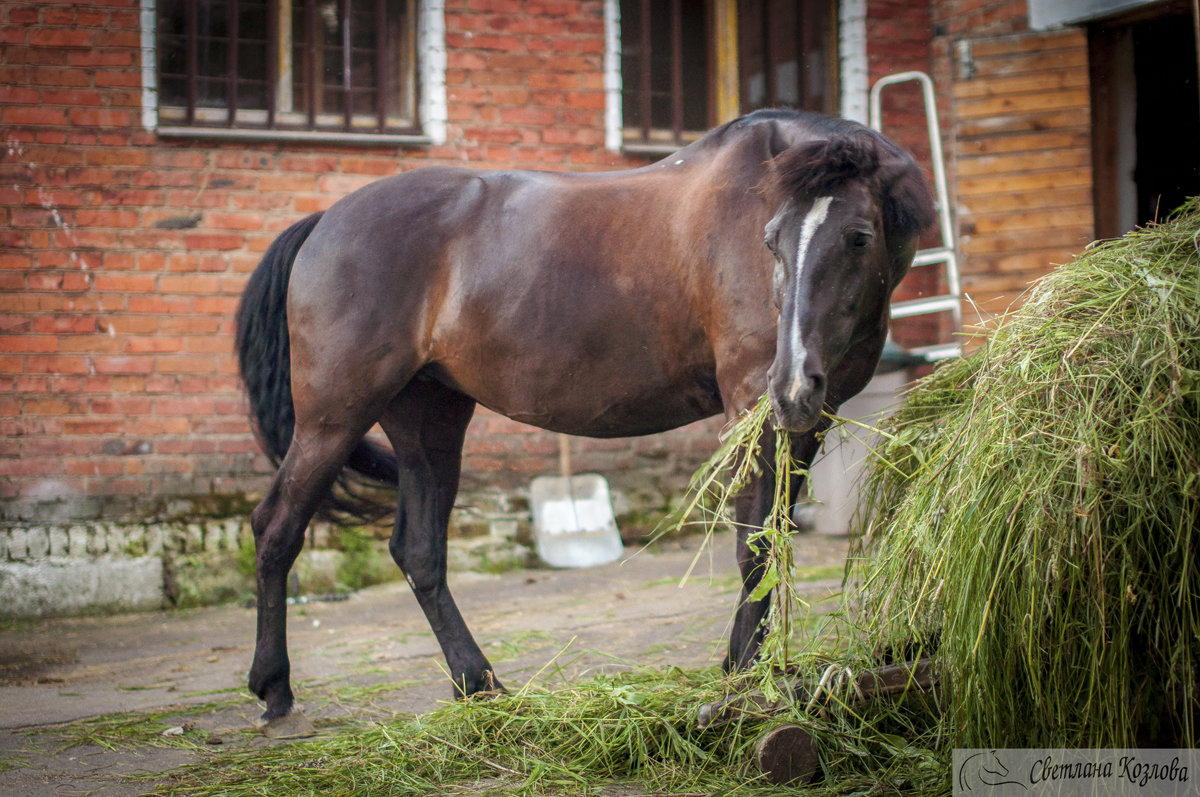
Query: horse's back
x,y
380,242
561,300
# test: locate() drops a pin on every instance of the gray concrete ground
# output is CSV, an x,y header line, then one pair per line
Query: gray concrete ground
x,y
368,657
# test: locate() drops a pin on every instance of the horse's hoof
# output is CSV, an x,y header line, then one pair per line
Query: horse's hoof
x,y
486,685
293,725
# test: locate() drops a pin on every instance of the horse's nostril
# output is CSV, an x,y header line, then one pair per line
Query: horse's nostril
x,y
818,382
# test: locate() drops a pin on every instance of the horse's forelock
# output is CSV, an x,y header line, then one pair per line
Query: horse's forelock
x,y
814,167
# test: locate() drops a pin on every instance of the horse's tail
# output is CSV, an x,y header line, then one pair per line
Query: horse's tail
x,y
264,359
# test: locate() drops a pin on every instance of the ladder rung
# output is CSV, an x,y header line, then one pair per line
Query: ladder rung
x,y
926,257
936,352
930,304
943,254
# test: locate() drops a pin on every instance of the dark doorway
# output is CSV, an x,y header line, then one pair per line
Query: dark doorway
x,y
1146,117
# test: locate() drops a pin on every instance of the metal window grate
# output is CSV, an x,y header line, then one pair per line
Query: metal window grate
x,y
306,65
666,66
787,54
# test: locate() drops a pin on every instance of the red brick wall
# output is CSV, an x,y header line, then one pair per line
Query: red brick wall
x,y
123,254
898,36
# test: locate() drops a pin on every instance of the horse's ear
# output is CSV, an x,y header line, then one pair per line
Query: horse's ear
x,y
777,142
908,210
908,203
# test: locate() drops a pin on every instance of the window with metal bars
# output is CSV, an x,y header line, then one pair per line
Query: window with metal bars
x,y
343,66
666,50
787,54
786,57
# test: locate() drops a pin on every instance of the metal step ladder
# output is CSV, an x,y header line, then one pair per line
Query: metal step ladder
x,y
951,301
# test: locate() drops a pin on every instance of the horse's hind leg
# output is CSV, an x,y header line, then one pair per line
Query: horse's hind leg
x,y
317,453
426,424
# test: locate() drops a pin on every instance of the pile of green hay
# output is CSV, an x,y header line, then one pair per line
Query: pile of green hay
x,y
1032,518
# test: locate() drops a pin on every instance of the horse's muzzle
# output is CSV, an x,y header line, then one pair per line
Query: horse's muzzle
x,y
796,401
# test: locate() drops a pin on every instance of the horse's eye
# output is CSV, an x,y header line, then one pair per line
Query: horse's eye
x,y
860,239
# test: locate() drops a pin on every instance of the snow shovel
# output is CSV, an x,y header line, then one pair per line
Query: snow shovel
x,y
573,521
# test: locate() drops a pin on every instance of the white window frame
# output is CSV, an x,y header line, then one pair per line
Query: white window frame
x,y
851,57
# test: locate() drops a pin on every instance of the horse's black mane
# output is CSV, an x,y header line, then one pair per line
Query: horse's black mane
x,y
823,125
838,150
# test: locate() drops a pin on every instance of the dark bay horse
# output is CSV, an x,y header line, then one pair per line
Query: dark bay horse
x,y
611,304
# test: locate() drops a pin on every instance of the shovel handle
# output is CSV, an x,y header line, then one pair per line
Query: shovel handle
x,y
564,455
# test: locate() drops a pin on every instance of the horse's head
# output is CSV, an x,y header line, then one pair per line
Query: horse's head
x,y
850,210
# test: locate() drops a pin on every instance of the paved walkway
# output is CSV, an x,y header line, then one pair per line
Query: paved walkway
x,y
369,656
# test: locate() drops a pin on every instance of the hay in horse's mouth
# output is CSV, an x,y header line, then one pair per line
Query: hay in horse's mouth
x,y
708,506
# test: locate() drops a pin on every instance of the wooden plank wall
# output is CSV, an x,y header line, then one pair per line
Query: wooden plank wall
x,y
1023,177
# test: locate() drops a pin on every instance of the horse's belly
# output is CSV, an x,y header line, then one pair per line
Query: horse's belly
x,y
592,402
618,419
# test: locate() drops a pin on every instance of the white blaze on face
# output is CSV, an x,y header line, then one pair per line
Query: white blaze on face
x,y
812,222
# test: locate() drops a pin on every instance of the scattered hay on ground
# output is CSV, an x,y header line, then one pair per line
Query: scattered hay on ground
x,y
620,735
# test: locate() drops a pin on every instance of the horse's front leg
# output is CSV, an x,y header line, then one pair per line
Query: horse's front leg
x,y
751,508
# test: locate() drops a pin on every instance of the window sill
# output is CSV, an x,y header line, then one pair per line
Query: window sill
x,y
631,148
310,136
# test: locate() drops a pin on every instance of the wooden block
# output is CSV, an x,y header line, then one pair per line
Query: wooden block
x,y
1073,217
990,107
1021,162
1035,181
788,754
1050,198
1039,141
1019,84
1023,241
1070,118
